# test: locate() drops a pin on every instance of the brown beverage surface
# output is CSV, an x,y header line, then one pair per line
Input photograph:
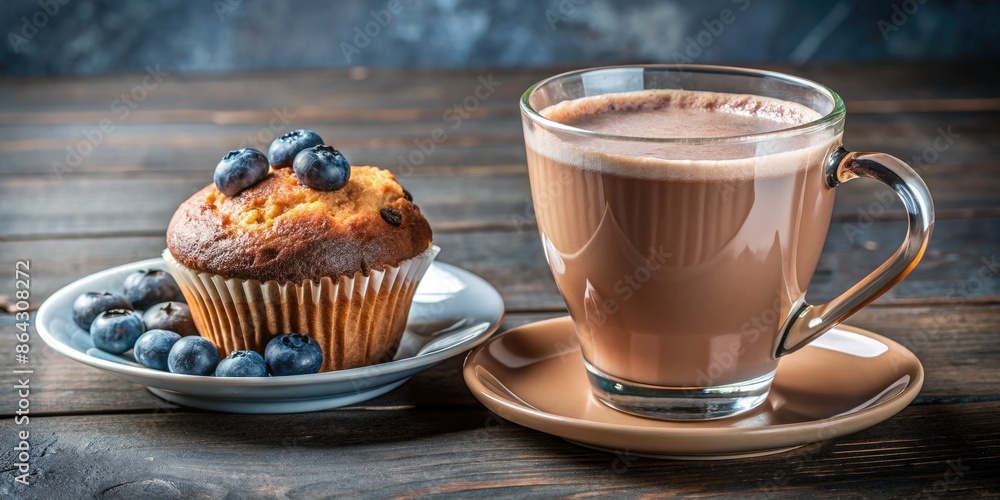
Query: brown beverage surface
x,y
678,262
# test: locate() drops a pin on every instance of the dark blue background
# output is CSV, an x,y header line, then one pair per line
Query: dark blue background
x,y
225,35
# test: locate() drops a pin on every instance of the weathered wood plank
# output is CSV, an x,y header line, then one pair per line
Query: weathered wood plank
x,y
957,346
344,135
513,261
415,89
321,90
84,206
197,147
129,147
924,450
79,206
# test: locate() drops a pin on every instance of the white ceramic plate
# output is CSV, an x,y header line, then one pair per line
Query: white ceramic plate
x,y
453,311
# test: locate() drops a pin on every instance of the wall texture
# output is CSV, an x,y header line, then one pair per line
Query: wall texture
x,y
45,37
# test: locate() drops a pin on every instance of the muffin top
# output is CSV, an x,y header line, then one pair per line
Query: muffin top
x,y
281,230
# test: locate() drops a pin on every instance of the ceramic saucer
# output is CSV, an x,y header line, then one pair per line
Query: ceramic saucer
x,y
453,310
847,380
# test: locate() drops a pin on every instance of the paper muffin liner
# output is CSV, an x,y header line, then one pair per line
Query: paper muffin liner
x,y
357,320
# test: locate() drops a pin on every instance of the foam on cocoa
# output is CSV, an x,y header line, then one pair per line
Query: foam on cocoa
x,y
682,114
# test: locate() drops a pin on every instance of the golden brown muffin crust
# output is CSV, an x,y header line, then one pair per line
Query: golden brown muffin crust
x,y
281,230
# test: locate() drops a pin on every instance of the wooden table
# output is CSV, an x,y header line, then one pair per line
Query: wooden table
x,y
93,434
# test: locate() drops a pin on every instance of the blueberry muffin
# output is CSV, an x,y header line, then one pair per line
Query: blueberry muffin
x,y
277,255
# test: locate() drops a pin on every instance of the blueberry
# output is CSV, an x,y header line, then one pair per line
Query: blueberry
x,y
116,330
242,364
193,356
322,167
152,348
239,170
293,354
173,316
144,288
88,305
284,148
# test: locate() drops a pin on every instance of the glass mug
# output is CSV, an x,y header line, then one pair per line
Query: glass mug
x,y
683,261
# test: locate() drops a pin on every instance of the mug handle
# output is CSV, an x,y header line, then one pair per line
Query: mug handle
x,y
810,321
